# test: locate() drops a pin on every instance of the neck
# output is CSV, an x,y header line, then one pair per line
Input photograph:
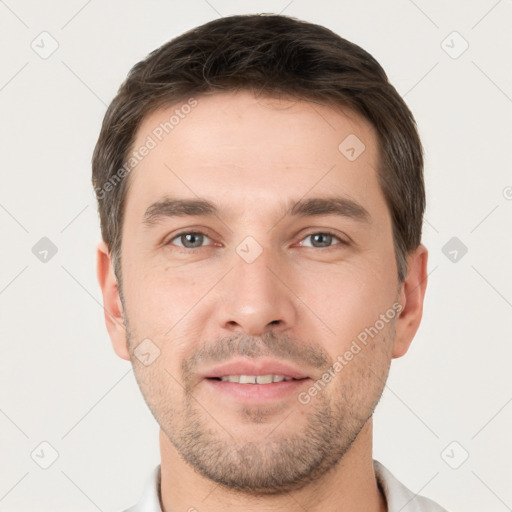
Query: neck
x,y
349,486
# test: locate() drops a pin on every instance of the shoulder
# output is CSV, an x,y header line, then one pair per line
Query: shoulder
x,y
150,499
399,497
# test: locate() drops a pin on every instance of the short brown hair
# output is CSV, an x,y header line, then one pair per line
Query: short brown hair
x,y
272,55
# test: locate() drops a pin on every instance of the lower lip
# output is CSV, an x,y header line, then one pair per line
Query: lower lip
x,y
257,392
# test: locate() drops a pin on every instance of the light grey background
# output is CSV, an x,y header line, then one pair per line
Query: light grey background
x,y
61,382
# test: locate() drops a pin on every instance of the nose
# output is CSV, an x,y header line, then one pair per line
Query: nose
x,y
256,297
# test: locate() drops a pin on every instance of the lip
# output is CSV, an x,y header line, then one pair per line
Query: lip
x,y
256,394
254,367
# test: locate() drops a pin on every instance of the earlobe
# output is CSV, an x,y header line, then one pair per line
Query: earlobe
x,y
112,306
412,294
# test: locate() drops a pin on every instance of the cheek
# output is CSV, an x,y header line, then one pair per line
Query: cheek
x,y
163,305
153,286
345,301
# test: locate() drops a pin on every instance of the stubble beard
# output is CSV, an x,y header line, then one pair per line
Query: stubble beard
x,y
268,464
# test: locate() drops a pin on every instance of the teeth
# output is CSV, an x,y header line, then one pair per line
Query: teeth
x,y
255,379
247,379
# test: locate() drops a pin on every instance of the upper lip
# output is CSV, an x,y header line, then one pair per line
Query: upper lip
x,y
254,367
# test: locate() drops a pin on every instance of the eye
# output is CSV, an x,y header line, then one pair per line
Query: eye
x,y
322,240
189,239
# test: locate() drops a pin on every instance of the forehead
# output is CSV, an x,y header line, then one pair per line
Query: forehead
x,y
235,148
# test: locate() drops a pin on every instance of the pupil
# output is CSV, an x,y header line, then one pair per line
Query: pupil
x,y
320,235
189,237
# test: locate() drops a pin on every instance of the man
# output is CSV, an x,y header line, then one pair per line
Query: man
x,y
260,188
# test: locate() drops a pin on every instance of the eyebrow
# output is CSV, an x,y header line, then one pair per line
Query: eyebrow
x,y
339,206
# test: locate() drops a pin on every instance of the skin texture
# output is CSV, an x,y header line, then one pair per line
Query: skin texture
x,y
303,300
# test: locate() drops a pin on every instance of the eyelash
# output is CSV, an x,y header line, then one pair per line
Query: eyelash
x,y
188,250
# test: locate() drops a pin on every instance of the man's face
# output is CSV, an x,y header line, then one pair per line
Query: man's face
x,y
253,290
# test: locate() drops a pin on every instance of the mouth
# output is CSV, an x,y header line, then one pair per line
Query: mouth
x,y
255,381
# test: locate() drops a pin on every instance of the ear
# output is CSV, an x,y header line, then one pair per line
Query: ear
x,y
112,306
412,293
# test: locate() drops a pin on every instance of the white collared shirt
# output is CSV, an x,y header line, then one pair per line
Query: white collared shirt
x,y
398,497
